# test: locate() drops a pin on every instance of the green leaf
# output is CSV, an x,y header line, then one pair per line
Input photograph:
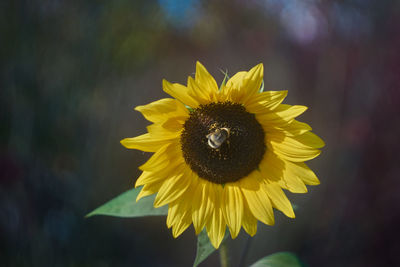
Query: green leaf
x,y
204,247
280,259
125,205
226,77
262,87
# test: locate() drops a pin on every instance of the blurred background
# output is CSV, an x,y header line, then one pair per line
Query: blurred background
x,y
72,72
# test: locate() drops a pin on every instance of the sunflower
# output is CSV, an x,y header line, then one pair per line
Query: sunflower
x,y
223,155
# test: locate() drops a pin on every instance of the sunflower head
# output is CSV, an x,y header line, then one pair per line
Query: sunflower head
x,y
222,142
223,155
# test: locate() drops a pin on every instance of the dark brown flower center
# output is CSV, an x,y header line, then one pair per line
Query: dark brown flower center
x,y
222,142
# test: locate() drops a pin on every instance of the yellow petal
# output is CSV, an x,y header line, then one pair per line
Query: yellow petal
x,y
302,171
293,183
182,220
151,177
163,109
282,115
279,199
309,139
269,169
197,92
252,82
249,221
145,142
148,177
158,131
174,124
290,148
216,224
265,101
251,181
236,81
205,80
216,227
231,91
233,207
249,82
258,201
148,190
293,128
180,92
203,204
166,155
173,209
275,169
296,128
179,213
157,158
306,141
243,85
172,188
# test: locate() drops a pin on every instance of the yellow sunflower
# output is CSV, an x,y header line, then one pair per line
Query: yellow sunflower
x,y
222,156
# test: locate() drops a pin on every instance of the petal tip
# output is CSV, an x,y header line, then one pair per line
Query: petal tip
x,y
199,65
137,184
322,143
123,142
165,84
259,69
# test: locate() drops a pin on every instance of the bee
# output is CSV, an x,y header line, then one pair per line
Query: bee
x,y
218,137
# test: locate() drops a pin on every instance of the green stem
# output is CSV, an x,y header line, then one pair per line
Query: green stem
x,y
224,255
244,252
